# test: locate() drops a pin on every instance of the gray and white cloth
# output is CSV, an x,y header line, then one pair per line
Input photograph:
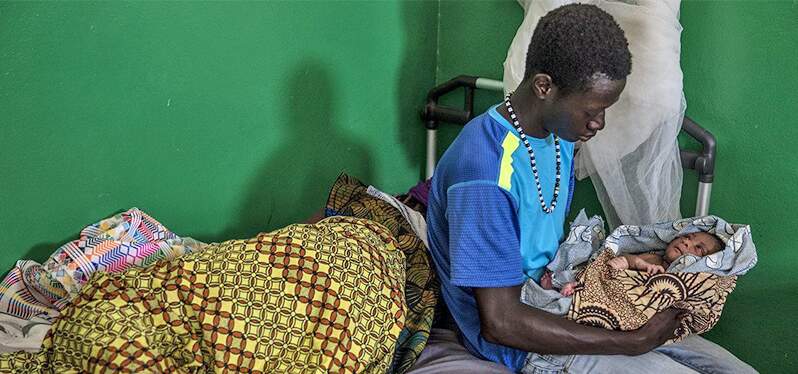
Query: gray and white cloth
x,y
17,334
415,219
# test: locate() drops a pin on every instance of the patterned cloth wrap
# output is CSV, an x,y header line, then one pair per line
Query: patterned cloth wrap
x,y
126,240
326,298
627,299
350,197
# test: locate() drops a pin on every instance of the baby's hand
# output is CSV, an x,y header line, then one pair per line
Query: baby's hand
x,y
568,289
618,263
654,269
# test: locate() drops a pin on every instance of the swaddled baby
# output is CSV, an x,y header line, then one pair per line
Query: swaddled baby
x,y
697,244
616,290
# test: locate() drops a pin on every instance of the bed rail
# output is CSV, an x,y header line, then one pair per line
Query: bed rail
x,y
702,161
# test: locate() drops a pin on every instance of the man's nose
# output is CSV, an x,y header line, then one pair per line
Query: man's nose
x,y
597,123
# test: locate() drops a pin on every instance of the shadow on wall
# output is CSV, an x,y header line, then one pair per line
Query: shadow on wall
x,y
295,179
416,77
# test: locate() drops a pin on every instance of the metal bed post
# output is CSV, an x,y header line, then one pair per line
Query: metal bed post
x,y
434,113
702,161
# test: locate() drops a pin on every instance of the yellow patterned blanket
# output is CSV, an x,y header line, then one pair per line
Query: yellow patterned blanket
x,y
350,197
306,298
627,299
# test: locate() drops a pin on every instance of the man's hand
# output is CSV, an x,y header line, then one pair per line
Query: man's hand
x,y
660,328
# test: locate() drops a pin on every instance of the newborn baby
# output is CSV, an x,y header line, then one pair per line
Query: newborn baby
x,y
697,244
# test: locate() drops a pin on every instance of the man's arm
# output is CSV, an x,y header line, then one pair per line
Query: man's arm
x,y
506,321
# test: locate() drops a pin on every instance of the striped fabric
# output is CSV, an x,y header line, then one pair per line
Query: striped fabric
x,y
126,240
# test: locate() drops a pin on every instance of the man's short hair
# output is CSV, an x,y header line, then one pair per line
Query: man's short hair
x,y
574,42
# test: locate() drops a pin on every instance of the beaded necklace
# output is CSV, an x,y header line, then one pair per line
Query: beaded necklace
x,y
546,209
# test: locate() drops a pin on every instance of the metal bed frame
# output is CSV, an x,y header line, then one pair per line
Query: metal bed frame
x,y
433,114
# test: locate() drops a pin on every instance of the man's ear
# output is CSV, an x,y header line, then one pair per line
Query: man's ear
x,y
542,86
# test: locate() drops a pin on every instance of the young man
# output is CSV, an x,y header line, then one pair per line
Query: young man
x,y
499,199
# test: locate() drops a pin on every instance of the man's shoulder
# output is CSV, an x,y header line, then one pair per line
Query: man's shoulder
x,y
479,149
485,130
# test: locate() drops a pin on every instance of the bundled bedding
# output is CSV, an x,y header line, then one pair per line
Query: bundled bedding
x,y
326,297
352,293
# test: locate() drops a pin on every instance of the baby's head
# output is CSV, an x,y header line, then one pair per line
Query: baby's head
x,y
697,244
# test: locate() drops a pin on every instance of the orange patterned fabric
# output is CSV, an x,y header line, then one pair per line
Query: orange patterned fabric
x,y
307,298
627,299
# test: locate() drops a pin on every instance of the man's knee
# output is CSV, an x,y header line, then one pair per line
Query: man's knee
x,y
705,356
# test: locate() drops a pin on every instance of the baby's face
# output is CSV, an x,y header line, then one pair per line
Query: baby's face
x,y
697,244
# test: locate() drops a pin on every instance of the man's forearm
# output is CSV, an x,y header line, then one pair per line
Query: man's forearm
x,y
505,320
532,330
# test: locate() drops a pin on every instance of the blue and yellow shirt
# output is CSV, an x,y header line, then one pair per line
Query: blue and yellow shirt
x,y
486,226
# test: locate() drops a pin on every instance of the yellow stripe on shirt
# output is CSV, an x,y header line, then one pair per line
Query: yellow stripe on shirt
x,y
510,144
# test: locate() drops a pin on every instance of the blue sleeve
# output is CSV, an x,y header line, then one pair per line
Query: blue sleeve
x,y
484,244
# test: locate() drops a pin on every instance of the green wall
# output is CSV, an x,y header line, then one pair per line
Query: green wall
x,y
219,119
740,78
225,119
